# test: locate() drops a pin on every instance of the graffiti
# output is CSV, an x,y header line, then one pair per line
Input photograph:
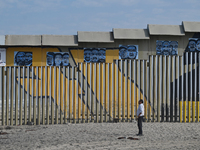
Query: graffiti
x,y
128,52
94,54
2,56
22,58
166,47
57,59
193,45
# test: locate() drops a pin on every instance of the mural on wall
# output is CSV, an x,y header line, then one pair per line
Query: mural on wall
x,y
57,58
193,45
94,55
2,56
22,58
128,52
166,47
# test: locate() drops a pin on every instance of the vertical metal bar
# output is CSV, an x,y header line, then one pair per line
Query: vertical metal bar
x,y
117,88
91,99
148,92
64,94
14,89
33,93
28,89
6,97
83,116
37,99
152,86
173,90
135,86
122,99
195,87
86,91
164,102
186,87
99,91
47,99
25,96
50,95
19,96
73,99
156,90
113,90
2,97
23,88
104,103
55,95
45,95
178,90
130,89
170,98
182,89
77,94
68,96
95,89
126,100
197,102
59,110
10,96
143,87
161,90
191,87
108,91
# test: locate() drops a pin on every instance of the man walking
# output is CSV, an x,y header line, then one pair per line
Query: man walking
x,y
140,115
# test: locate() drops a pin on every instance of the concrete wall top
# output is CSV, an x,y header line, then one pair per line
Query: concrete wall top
x,y
27,40
131,34
176,30
2,39
60,40
102,37
191,26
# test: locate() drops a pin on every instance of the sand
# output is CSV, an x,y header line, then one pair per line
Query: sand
x,y
101,136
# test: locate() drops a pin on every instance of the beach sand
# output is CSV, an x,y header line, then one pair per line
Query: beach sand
x,y
101,136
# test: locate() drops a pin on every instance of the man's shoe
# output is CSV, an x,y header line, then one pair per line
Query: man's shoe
x,y
139,134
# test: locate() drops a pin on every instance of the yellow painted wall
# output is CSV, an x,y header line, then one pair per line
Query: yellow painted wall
x,y
39,54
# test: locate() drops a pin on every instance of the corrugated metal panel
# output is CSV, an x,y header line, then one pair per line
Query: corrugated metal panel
x,y
2,39
131,34
29,40
191,26
166,30
60,40
104,37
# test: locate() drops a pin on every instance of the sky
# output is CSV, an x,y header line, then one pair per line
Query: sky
x,y
66,17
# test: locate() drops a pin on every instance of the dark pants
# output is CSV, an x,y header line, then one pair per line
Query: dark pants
x,y
140,119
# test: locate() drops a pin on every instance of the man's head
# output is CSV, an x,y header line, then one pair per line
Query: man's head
x,y
140,101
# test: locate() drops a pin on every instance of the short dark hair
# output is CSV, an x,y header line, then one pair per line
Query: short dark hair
x,y
141,100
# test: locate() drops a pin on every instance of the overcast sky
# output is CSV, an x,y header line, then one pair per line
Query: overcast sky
x,y
66,17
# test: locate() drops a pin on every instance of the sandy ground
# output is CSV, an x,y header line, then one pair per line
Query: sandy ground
x,y
101,136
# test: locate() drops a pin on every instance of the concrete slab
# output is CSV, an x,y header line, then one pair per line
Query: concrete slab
x,y
24,40
191,26
176,30
60,40
102,37
131,34
2,39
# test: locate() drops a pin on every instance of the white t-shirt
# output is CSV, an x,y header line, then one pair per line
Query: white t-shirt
x,y
140,110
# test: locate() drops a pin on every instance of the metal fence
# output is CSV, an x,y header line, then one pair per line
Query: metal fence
x,y
102,92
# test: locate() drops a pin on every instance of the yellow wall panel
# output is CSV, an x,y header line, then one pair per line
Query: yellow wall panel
x,y
78,55
39,54
111,55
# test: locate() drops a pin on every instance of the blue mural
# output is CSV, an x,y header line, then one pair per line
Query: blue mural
x,y
128,52
57,58
94,55
22,58
193,45
166,47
